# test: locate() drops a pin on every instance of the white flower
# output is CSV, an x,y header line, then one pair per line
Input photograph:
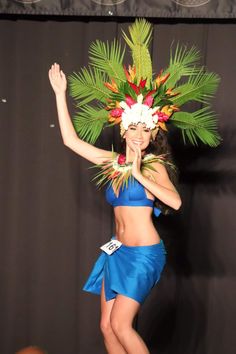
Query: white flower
x,y
140,98
138,113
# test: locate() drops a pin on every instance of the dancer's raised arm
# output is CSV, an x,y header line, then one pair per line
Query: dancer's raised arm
x,y
59,84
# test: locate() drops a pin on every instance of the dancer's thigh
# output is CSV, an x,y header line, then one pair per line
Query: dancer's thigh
x,y
106,308
124,310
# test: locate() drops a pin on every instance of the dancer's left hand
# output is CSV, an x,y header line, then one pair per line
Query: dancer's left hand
x,y
136,168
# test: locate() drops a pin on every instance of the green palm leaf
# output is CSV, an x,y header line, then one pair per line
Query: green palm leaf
x,y
200,87
89,123
200,125
140,36
88,85
181,64
108,58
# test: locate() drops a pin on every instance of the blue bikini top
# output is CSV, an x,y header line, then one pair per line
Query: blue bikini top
x,y
131,195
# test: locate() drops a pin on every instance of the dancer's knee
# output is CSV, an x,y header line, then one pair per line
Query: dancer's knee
x,y
106,328
119,326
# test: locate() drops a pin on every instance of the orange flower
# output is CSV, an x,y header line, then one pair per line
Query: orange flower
x,y
112,105
170,92
108,108
162,125
113,86
175,108
117,104
115,120
130,73
161,79
168,110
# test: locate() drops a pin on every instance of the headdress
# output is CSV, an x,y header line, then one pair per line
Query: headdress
x,y
109,93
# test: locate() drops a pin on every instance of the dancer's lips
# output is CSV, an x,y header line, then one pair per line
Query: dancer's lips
x,y
137,142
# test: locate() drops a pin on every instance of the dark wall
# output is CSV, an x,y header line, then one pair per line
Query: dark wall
x,y
53,219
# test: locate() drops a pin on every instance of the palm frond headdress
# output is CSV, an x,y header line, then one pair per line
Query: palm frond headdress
x,y
129,95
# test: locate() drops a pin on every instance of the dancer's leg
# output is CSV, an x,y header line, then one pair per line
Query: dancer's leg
x,y
111,341
123,312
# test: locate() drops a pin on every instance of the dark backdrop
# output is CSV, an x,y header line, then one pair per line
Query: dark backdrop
x,y
53,219
145,8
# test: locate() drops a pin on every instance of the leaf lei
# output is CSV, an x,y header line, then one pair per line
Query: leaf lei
x,y
117,172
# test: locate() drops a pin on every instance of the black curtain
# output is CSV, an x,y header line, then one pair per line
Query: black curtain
x,y
53,219
224,9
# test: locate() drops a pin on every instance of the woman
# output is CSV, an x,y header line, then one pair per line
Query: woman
x,y
134,225
131,263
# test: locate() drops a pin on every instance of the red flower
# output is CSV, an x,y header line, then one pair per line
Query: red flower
x,y
134,87
148,100
121,159
116,112
115,115
142,83
129,100
162,117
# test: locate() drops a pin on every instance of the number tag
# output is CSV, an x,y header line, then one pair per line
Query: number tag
x,y
111,246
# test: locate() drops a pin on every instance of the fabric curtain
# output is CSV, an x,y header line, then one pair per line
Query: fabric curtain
x,y
224,9
53,219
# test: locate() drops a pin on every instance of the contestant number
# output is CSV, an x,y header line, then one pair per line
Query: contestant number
x,y
111,246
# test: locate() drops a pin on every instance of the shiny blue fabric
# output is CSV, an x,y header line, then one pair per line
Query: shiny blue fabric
x,y
131,195
131,271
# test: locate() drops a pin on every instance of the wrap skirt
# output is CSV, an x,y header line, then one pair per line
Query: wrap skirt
x,y
131,271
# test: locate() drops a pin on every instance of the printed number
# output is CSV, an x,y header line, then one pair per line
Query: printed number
x,y
111,247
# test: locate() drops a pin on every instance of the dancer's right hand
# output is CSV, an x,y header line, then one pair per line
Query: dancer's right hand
x,y
57,79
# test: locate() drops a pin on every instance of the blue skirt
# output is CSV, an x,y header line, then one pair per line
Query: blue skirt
x,y
131,271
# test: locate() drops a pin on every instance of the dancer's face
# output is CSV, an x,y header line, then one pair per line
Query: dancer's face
x,y
138,135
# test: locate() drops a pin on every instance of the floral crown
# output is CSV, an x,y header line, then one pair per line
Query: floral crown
x,y
150,106
131,95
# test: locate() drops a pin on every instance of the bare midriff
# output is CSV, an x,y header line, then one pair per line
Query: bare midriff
x,y
134,226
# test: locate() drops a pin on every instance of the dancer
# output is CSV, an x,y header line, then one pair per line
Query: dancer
x,y
137,179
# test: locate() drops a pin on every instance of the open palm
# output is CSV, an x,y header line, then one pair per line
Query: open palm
x,y
57,79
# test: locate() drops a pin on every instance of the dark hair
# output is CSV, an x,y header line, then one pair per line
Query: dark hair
x,y
160,146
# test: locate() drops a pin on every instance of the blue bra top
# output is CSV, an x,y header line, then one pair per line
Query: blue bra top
x,y
132,195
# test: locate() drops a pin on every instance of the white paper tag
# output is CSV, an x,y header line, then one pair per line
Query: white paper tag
x,y
111,246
